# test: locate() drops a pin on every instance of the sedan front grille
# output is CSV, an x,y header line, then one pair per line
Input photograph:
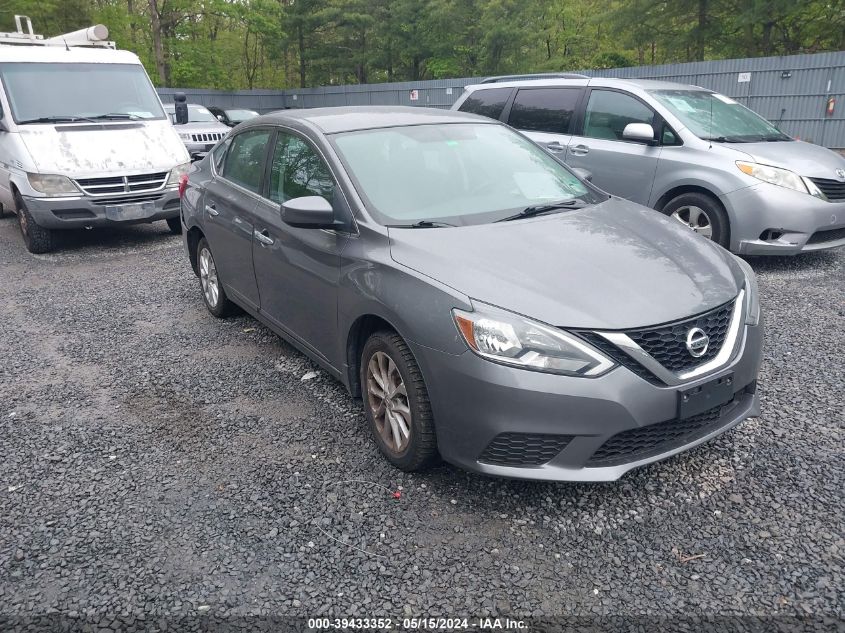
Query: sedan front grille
x,y
646,441
667,343
112,185
523,449
831,235
832,189
211,137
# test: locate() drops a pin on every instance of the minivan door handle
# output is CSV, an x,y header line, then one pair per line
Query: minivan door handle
x,y
263,237
579,150
555,147
209,208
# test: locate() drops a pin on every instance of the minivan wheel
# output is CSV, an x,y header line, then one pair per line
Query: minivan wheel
x,y
396,402
36,238
175,225
701,213
212,290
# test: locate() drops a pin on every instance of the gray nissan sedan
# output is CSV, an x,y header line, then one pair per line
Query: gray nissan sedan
x,y
488,305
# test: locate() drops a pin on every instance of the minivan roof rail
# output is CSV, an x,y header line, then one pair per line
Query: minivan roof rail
x,y
93,36
494,80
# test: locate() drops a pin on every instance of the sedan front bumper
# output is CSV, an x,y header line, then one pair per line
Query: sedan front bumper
x,y
482,408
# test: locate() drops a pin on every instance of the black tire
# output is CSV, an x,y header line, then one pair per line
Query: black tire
x,y
175,225
713,211
221,307
420,451
36,238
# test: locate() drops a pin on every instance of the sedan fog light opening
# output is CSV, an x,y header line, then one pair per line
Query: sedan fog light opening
x,y
514,340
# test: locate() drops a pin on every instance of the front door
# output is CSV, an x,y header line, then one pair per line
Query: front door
x,y
624,168
298,269
229,202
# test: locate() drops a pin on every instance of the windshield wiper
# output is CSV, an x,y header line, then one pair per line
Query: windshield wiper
x,y
529,212
422,224
728,139
116,116
56,119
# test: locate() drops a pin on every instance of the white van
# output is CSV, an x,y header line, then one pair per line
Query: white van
x,y
84,140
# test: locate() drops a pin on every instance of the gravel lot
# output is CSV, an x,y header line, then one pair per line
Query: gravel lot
x,y
159,465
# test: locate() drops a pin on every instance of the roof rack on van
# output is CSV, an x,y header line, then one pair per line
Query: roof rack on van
x,y
494,80
93,36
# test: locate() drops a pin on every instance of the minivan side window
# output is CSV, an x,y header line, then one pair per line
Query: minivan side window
x,y
298,170
544,109
609,112
244,163
488,103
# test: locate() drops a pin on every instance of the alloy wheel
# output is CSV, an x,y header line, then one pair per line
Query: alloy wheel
x,y
696,219
388,401
208,277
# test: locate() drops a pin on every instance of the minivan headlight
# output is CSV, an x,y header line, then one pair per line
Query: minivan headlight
x,y
176,173
773,175
752,294
511,339
52,185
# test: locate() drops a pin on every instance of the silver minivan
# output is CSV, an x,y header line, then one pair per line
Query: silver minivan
x,y
696,155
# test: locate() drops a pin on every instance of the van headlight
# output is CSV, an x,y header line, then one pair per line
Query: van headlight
x,y
511,339
176,173
773,175
752,293
52,185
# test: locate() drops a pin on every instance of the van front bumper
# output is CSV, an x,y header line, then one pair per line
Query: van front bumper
x,y
489,416
770,220
84,211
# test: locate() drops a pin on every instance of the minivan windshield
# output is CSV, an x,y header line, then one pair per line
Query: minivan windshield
x,y
456,173
715,117
45,92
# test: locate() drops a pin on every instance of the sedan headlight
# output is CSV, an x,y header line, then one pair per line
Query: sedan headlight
x,y
510,339
176,174
773,175
52,185
752,295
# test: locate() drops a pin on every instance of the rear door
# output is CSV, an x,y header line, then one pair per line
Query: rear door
x,y
624,168
546,115
229,202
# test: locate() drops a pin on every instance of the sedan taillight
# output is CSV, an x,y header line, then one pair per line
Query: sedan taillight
x,y
183,184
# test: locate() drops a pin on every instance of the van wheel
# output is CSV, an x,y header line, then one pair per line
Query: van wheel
x,y
701,213
396,402
212,290
36,238
175,225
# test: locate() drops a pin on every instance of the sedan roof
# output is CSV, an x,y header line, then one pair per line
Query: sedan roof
x,y
351,118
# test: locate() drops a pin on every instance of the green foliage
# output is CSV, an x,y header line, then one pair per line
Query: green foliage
x,y
234,44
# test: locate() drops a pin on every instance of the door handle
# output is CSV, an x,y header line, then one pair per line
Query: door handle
x,y
263,237
579,150
209,208
555,147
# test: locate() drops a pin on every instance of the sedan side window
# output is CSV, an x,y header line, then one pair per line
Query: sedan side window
x,y
218,154
609,112
244,164
298,170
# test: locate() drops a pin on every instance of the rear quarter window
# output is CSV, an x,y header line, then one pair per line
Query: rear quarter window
x,y
489,103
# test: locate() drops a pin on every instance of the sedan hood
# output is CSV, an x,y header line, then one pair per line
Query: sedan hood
x,y
805,159
616,265
80,150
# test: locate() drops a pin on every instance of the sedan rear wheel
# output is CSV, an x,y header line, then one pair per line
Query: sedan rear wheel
x,y
212,290
396,402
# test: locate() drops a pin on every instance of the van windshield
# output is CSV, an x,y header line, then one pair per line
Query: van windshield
x,y
46,92
715,117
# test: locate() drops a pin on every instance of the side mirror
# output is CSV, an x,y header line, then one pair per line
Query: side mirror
x,y
583,174
220,118
308,212
181,102
639,133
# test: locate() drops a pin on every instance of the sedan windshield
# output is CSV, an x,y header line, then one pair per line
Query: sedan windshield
x,y
459,173
712,116
42,92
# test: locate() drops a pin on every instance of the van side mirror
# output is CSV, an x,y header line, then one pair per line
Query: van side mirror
x,y
639,133
308,212
181,103
583,174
